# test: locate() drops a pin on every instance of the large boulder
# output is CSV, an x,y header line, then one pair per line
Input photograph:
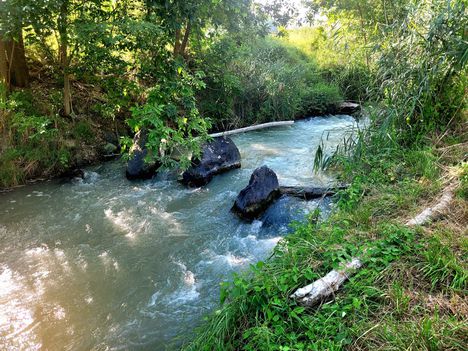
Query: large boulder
x,y
137,168
218,156
255,198
348,108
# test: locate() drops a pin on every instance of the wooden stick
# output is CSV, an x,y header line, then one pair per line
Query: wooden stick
x,y
325,287
255,127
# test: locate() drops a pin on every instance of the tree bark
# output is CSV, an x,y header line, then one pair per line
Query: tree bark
x,y
4,76
255,127
18,73
177,43
325,287
309,193
21,72
183,47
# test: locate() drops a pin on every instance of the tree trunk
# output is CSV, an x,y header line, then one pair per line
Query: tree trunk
x,y
4,76
309,193
20,66
255,127
186,38
177,43
67,101
18,73
64,62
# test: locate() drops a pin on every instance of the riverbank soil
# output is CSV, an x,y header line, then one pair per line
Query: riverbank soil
x,y
411,293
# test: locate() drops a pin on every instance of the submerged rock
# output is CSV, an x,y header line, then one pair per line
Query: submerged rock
x,y
218,156
73,174
280,214
137,168
255,198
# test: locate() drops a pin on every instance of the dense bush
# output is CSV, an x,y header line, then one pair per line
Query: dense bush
x,y
171,115
422,70
262,80
32,145
338,58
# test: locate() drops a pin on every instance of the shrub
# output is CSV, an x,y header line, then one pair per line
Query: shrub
x,y
321,98
260,81
422,70
83,131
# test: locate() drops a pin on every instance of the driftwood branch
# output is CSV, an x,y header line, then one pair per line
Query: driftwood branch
x,y
308,193
248,129
432,213
325,287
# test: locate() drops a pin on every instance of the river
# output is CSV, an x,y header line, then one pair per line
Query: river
x,y
108,264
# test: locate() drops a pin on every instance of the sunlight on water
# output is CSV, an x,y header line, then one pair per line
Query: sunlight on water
x,y
107,264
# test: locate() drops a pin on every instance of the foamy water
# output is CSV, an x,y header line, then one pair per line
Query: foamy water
x,y
104,263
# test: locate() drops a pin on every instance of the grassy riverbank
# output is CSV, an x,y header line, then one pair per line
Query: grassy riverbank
x,y
411,293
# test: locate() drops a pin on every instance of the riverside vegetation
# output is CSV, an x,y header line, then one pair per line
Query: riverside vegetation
x,y
79,78
183,68
411,292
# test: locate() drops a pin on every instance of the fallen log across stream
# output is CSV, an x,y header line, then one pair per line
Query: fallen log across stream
x,y
325,287
308,193
255,127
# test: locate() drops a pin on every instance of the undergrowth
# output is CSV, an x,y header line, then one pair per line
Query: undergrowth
x,y
387,305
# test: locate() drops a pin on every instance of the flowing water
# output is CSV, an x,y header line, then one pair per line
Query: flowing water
x,y
107,264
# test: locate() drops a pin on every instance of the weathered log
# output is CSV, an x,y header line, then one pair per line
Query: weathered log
x,y
255,127
431,213
325,287
308,193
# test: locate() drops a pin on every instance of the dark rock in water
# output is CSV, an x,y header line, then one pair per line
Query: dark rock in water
x,y
137,168
76,173
255,198
218,156
348,108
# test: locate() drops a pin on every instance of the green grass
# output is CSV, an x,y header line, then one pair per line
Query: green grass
x,y
400,300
